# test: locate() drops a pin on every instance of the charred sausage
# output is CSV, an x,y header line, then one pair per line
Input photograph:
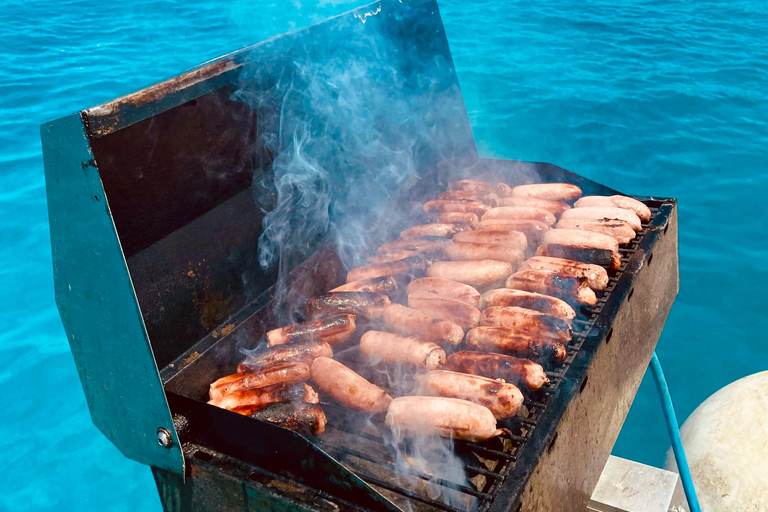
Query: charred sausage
x,y
299,352
288,373
617,228
249,401
476,185
386,285
307,419
510,341
489,198
597,277
604,212
355,303
530,300
603,257
479,273
408,266
445,288
527,321
462,219
414,244
499,366
628,203
441,229
396,349
463,206
413,322
570,289
501,398
332,330
551,191
447,308
345,386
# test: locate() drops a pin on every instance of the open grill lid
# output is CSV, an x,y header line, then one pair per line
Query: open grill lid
x,y
154,220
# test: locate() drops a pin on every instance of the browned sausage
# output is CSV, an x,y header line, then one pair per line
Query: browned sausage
x,y
520,213
533,229
501,398
530,300
460,218
414,244
389,257
447,308
555,207
510,341
442,229
396,349
332,330
488,198
597,277
447,417
570,289
499,366
409,266
300,417
443,205
254,403
527,321
261,397
604,212
480,273
445,288
476,185
355,303
514,239
345,386
628,203
603,257
386,285
289,373
617,228
412,322
300,352
463,251
580,245
551,191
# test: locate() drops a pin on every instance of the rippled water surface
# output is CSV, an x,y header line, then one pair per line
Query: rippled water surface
x,y
649,97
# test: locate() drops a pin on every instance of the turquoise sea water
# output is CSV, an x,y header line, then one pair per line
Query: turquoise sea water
x,y
667,98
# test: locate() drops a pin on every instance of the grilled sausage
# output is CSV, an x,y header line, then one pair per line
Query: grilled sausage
x,y
447,417
386,285
521,213
510,341
447,308
304,418
414,244
408,266
555,207
396,349
441,229
463,251
530,300
489,198
389,257
514,239
474,273
533,229
580,238
299,352
259,398
355,303
412,322
628,203
501,398
570,289
551,191
475,185
603,257
527,321
461,218
345,386
445,288
499,366
463,206
597,277
604,212
617,228
288,373
332,330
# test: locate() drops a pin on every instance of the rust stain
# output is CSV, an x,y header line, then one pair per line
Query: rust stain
x,y
191,357
227,329
191,273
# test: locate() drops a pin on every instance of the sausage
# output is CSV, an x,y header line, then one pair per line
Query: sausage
x,y
463,206
597,277
530,300
521,213
476,185
499,366
628,203
533,229
580,238
556,208
412,322
501,398
515,239
307,419
603,257
259,398
414,244
389,257
447,308
345,386
461,218
570,289
462,251
288,372
385,285
489,198
254,404
442,229
604,212
447,417
617,228
551,191
332,330
355,303
527,321
501,339
479,273
299,352
410,266
396,349
445,288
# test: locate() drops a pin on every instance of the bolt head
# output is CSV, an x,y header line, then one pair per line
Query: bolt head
x,y
164,438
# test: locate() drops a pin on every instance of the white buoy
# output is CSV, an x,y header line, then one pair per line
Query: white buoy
x,y
726,443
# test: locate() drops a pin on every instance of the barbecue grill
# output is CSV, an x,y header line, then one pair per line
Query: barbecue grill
x,y
156,203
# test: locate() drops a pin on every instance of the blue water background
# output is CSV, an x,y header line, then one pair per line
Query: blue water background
x,y
663,98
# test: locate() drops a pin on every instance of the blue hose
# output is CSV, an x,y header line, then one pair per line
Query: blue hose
x,y
674,434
